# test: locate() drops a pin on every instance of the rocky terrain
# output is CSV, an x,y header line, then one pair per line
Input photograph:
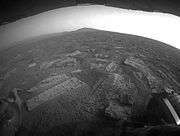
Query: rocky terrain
x,y
82,82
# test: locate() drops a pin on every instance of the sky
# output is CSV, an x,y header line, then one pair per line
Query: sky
x,y
159,26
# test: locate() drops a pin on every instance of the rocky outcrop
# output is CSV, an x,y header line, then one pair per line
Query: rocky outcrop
x,y
136,63
55,91
139,65
111,67
119,95
122,86
47,64
73,54
48,83
32,65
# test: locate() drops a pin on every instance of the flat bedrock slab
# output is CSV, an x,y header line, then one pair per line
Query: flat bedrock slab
x,y
53,92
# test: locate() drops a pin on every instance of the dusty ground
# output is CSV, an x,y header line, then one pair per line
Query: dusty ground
x,y
118,70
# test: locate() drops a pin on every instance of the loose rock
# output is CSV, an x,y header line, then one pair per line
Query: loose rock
x,y
117,110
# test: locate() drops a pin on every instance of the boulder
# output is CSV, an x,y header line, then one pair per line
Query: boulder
x,y
117,110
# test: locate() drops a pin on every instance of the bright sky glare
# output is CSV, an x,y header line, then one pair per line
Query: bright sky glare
x,y
158,26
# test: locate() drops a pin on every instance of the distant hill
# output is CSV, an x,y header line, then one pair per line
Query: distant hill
x,y
32,40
